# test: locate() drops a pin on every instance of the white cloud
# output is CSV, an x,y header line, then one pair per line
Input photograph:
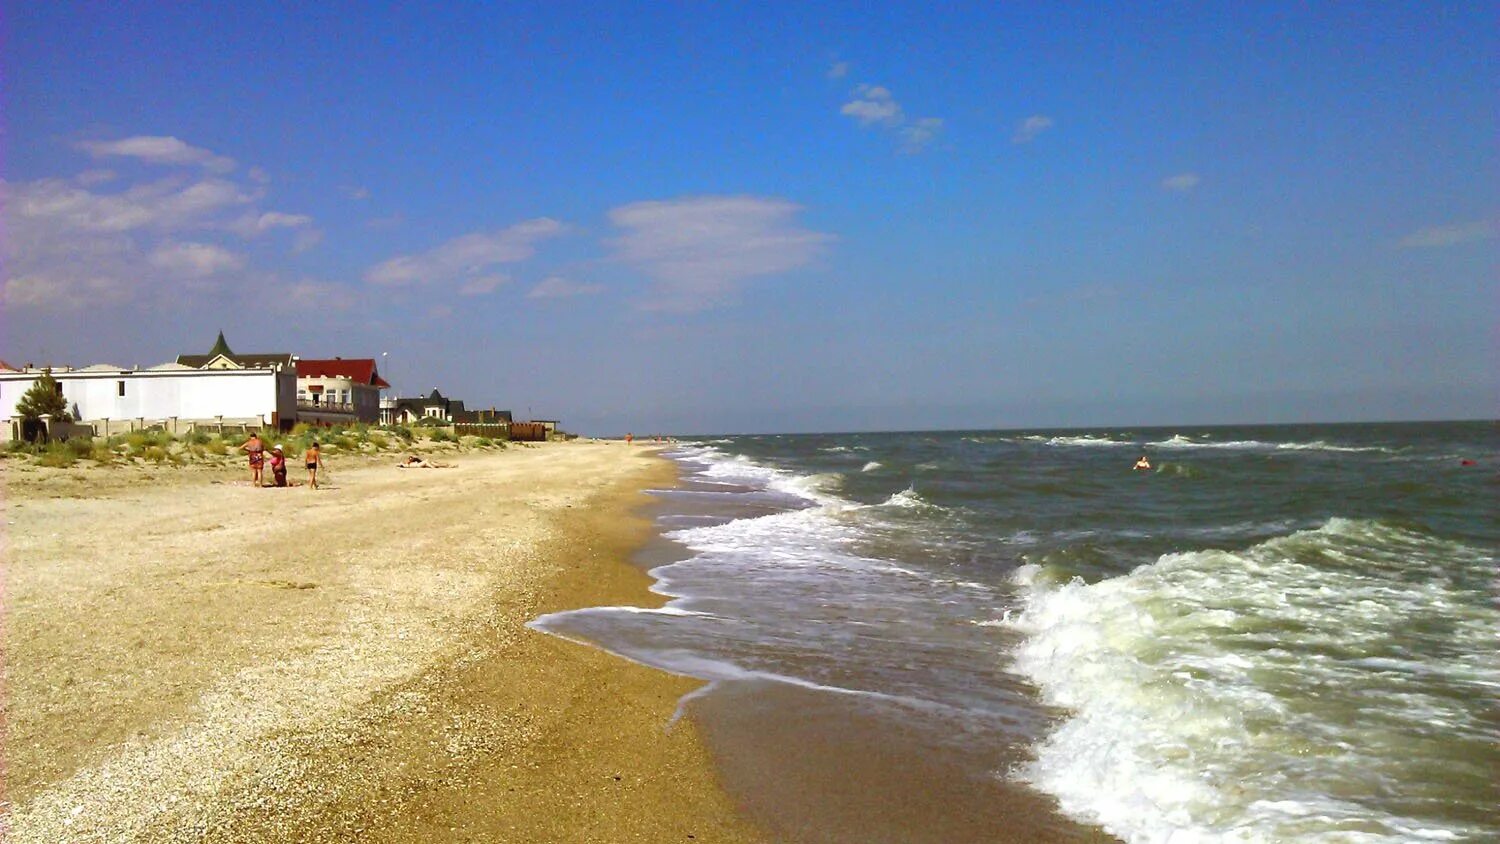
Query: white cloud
x,y
296,297
158,149
698,250
100,240
253,224
194,260
466,256
89,178
839,70
356,191
557,287
1438,237
56,292
165,203
1182,182
1030,128
306,239
483,285
920,134
873,104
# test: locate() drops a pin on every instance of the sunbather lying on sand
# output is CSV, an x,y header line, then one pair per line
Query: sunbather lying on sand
x,y
414,462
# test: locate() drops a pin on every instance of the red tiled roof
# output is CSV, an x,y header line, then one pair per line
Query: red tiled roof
x,y
5,367
361,370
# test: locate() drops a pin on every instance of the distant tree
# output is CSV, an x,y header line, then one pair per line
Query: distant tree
x,y
45,396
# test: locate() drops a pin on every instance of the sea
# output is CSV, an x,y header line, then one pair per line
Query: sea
x,y
1284,633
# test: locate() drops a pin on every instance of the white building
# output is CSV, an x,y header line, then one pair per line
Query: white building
x,y
112,399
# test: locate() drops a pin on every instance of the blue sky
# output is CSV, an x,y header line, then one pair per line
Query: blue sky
x,y
729,217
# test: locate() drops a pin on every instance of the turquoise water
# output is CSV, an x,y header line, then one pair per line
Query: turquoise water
x,y
1278,633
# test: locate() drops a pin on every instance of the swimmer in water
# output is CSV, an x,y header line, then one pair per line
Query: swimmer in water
x,y
1143,464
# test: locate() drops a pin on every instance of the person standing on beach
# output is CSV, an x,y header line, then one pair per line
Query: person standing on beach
x,y
257,451
629,438
314,461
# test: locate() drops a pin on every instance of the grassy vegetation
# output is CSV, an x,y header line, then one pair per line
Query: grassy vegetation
x,y
199,447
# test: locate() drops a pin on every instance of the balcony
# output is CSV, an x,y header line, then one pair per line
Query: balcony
x,y
304,405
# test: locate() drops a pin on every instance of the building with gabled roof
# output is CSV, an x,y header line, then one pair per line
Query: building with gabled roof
x,y
434,405
338,390
222,357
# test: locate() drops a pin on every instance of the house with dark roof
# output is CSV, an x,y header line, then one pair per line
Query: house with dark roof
x,y
222,357
434,405
338,390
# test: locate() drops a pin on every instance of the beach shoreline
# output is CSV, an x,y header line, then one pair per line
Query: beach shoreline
x,y
192,659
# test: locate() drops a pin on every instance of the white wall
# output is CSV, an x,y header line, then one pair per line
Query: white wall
x,y
196,394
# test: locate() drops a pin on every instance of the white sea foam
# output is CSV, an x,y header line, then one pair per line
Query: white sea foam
x,y
872,466
1189,683
905,498
1178,441
1083,441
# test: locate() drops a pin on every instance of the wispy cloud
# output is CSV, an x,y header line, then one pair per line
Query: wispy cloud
x,y
356,192
1029,128
920,134
465,257
254,224
158,149
1182,182
99,240
874,105
839,70
194,260
483,285
557,287
699,250
1438,237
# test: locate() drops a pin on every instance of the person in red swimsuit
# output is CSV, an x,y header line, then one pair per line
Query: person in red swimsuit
x,y
257,451
278,466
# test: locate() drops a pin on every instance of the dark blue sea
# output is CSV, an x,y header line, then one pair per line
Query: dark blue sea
x,y
1277,633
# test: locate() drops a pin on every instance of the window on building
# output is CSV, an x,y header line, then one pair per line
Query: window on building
x,y
119,388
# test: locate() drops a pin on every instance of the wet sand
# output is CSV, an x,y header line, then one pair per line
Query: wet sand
x,y
189,658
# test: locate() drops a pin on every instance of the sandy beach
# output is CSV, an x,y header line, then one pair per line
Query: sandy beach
x,y
190,658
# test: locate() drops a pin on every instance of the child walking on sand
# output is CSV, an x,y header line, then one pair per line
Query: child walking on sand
x,y
314,461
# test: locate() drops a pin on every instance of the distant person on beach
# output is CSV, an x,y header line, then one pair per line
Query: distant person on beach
x,y
257,451
313,459
1143,464
629,438
414,462
278,465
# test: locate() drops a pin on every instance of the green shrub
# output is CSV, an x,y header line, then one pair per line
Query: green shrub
x,y
379,441
57,455
80,446
138,441
156,454
100,452
484,442
198,437
439,435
